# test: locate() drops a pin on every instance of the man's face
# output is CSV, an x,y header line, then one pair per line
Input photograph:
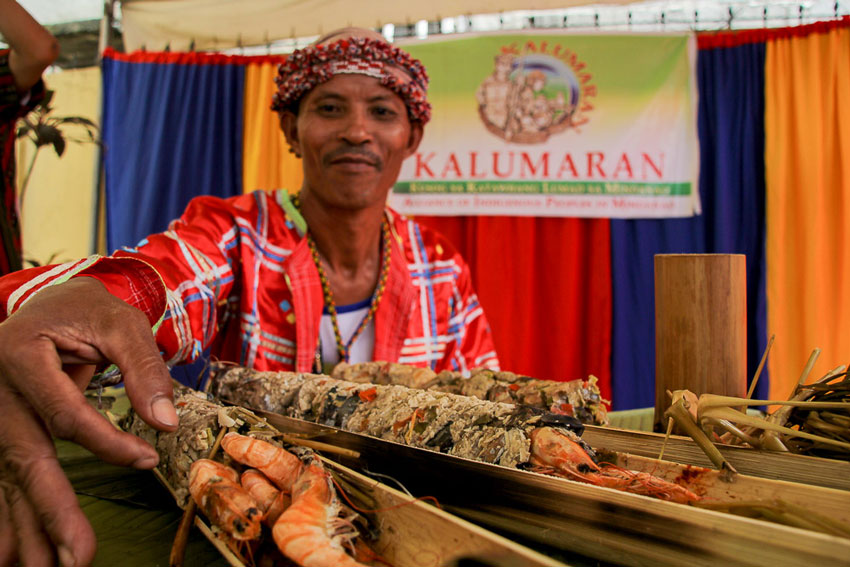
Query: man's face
x,y
503,68
353,135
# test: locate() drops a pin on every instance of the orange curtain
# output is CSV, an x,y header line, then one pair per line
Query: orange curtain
x,y
807,160
267,163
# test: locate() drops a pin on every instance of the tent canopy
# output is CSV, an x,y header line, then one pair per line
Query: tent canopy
x,y
222,24
225,24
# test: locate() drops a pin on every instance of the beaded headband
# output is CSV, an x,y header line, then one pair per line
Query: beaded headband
x,y
306,68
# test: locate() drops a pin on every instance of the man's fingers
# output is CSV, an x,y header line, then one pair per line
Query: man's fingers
x,y
41,497
62,407
33,543
131,346
80,374
8,539
107,330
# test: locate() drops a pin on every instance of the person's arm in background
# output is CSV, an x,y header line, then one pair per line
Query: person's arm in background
x,y
31,47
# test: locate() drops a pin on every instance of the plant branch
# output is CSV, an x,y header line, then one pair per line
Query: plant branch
x,y
23,188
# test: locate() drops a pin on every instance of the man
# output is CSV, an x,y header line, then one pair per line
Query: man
x,y
248,277
31,50
495,93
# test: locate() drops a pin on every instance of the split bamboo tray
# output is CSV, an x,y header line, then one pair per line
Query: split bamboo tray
x,y
571,520
816,471
416,534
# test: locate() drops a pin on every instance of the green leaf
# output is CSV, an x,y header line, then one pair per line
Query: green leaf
x,y
46,134
77,120
59,145
134,517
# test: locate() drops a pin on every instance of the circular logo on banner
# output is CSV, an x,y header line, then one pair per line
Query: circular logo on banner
x,y
534,94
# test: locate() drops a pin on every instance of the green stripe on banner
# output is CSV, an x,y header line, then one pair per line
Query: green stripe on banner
x,y
543,187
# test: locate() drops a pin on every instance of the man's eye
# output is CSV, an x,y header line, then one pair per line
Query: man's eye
x,y
383,111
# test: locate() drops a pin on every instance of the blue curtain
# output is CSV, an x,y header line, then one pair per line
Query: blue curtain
x,y
171,132
731,184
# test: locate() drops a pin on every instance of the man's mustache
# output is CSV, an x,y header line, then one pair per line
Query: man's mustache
x,y
353,151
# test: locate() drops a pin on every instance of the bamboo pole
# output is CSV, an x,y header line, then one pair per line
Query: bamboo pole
x,y
700,326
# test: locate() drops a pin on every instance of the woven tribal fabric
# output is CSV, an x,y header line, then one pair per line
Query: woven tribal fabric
x,y
240,279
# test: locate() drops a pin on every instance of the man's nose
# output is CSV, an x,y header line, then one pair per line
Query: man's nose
x,y
356,128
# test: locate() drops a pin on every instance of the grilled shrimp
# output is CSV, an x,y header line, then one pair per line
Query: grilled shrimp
x,y
555,451
217,492
271,500
309,531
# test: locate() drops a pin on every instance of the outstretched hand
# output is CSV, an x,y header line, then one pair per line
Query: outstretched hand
x,y
48,352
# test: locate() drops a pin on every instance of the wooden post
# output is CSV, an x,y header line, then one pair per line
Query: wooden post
x,y
700,326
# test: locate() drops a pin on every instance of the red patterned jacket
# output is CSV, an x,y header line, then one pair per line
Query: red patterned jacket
x,y
240,279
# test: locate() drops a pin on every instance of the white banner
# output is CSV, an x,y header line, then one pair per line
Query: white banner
x,y
557,125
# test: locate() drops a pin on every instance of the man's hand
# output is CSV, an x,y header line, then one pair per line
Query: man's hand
x,y
48,352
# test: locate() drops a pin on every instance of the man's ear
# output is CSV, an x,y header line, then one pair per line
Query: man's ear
x,y
416,133
289,125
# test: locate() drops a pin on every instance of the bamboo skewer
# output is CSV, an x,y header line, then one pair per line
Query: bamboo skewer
x,y
732,415
806,371
319,446
295,439
683,418
178,549
757,375
670,423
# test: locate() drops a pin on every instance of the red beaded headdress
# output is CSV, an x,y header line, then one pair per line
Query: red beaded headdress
x,y
316,64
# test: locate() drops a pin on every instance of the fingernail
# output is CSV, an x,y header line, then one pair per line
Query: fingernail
x,y
148,462
66,558
164,412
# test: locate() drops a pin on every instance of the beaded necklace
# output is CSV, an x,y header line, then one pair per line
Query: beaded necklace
x,y
342,347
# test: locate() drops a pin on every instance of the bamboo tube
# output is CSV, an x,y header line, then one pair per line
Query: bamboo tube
x,y
700,326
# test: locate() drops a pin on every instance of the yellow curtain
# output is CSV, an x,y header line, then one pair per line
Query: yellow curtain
x,y
807,157
267,163
57,215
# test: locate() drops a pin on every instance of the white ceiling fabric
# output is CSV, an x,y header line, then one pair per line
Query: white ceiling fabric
x,y
47,12
221,24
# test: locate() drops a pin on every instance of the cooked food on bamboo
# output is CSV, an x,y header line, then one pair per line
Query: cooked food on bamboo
x,y
578,398
506,434
311,528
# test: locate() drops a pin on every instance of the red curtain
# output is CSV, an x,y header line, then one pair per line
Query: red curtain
x,y
545,285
